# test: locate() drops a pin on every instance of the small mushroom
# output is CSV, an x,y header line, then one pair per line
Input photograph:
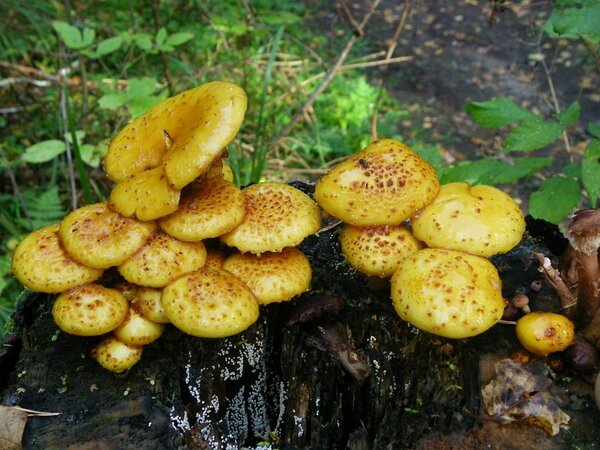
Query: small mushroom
x,y
161,260
137,330
147,301
448,292
116,356
384,184
543,333
277,216
89,310
207,209
481,220
210,303
41,264
377,250
272,277
100,238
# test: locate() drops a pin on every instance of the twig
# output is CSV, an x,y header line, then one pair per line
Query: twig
x,y
327,80
65,121
351,19
33,412
590,48
552,276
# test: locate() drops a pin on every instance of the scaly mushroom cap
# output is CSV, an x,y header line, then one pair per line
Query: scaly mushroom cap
x,y
214,259
384,184
137,330
207,209
272,277
146,196
41,264
89,310
584,231
481,220
210,303
543,332
277,216
448,293
377,250
147,302
161,260
100,238
116,356
187,132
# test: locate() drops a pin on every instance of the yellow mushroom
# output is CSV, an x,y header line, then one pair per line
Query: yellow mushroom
x,y
89,310
377,250
215,259
147,301
277,216
384,184
481,220
161,260
100,238
137,330
41,264
448,293
272,277
543,332
210,303
207,209
116,356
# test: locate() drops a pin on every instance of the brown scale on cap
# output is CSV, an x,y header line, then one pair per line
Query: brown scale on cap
x,y
384,184
277,216
89,310
41,264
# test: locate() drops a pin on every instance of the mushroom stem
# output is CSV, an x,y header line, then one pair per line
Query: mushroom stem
x,y
554,278
587,290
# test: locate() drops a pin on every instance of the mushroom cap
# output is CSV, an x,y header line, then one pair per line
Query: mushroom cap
x,y
207,209
137,330
277,216
41,264
201,137
116,356
584,231
384,184
210,303
377,250
100,238
89,310
481,220
145,195
543,333
448,293
162,259
195,125
272,277
215,259
148,303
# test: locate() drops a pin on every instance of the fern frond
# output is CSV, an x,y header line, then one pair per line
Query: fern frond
x,y
44,207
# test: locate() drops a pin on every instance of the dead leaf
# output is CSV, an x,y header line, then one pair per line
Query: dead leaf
x,y
521,392
12,424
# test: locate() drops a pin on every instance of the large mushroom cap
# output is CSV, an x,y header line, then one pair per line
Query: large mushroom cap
x,y
207,209
481,220
192,127
41,264
161,260
277,216
210,303
89,310
377,250
584,231
100,238
272,277
384,184
448,293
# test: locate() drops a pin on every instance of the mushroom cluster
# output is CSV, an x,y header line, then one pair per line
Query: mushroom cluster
x,y
188,246
433,241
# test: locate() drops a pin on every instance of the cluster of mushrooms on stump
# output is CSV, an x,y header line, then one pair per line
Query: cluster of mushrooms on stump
x,y
179,248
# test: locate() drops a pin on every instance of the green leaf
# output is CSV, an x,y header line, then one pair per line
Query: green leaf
x,y
497,112
44,151
109,46
143,41
532,135
570,116
141,87
140,105
493,171
573,170
79,135
575,21
112,101
280,18
88,37
89,155
590,170
161,35
594,130
520,168
70,35
555,200
178,39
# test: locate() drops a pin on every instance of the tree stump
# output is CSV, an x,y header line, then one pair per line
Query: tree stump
x,y
335,368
